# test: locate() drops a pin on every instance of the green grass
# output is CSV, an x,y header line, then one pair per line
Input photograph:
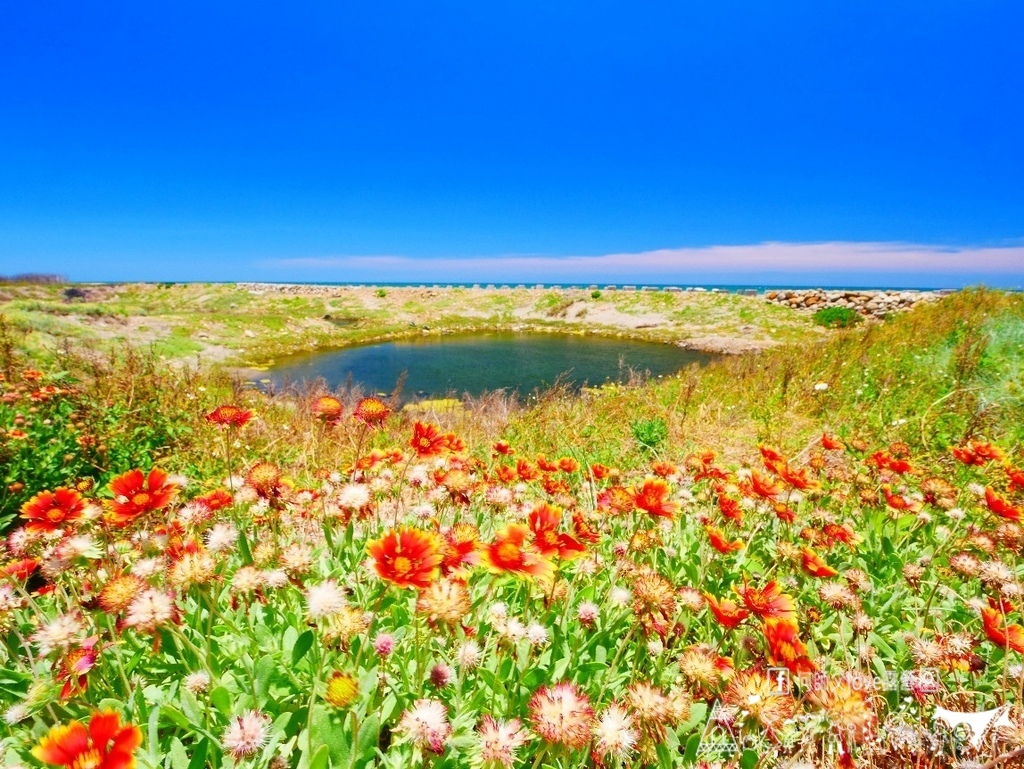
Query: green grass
x,y
287,324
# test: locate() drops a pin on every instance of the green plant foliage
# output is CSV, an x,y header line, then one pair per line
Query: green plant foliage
x,y
649,433
837,317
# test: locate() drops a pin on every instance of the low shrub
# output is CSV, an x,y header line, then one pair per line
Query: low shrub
x,y
837,317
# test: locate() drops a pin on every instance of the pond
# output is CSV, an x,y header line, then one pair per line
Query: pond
x,y
478,363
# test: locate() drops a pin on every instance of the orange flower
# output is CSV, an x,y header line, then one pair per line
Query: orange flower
x,y
568,465
897,502
505,474
544,521
73,669
21,569
664,469
770,601
728,613
507,553
652,497
545,464
372,411
376,456
215,500
583,528
785,647
136,494
730,508
526,471
832,443
555,486
1016,477
599,471
1001,507
763,486
327,408
50,510
883,461
460,548
1008,637
455,444
783,512
407,557
798,479
427,440
978,454
703,467
834,532
720,543
106,744
615,500
501,447
229,415
265,478
815,566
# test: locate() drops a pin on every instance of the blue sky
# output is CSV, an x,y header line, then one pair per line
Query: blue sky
x,y
742,142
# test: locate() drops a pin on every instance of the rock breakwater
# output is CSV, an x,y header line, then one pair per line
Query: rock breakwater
x,y
868,303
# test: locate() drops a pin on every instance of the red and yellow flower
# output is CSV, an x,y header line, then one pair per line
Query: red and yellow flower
x,y
1001,507
511,552
815,565
461,548
769,601
832,443
544,521
407,557
785,649
762,486
136,494
328,408
652,496
427,440
105,744
1001,634
229,415
977,453
721,543
51,510
728,613
372,411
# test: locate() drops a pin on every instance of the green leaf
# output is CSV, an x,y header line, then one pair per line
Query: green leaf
x,y
199,757
263,671
302,645
320,757
190,706
749,759
369,734
177,755
221,699
692,746
154,731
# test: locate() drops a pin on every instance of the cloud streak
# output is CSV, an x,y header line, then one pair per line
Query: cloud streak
x,y
806,262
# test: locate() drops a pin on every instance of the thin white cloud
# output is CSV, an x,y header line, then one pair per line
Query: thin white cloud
x,y
679,264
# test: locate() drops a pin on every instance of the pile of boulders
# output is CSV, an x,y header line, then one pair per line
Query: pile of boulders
x,y
870,303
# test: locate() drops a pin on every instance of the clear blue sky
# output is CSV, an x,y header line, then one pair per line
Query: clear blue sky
x,y
309,141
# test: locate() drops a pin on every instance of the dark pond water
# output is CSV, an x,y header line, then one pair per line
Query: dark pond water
x,y
477,363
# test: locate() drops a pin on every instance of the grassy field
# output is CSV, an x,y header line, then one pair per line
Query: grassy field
x,y
613,578
253,326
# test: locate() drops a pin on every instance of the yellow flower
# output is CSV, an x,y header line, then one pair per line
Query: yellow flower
x,y
342,690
